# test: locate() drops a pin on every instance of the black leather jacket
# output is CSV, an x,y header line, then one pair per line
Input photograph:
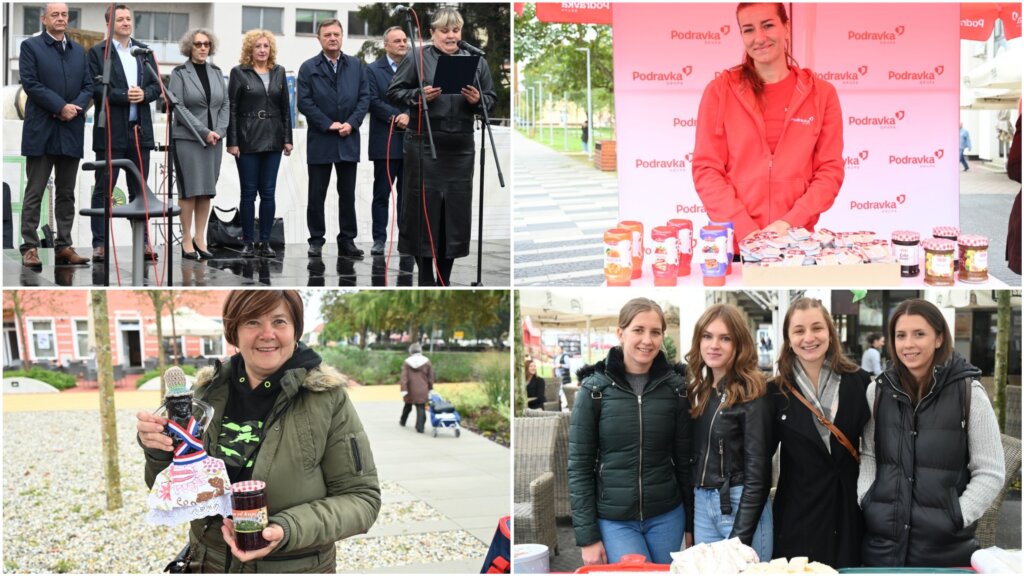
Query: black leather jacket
x,y
733,447
261,121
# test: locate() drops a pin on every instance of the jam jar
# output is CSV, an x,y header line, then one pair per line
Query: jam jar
x,y
906,251
949,233
938,261
973,258
618,256
249,512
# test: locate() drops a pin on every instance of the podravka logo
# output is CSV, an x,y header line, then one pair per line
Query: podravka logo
x,y
848,77
670,164
884,206
856,160
923,76
690,209
919,161
883,122
705,36
690,122
880,36
572,7
668,77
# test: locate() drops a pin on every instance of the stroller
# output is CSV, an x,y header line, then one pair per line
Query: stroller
x,y
443,414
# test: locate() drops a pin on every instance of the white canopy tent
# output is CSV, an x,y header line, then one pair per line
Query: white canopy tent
x,y
996,83
188,322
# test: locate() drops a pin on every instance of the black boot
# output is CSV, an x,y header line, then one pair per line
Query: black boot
x,y
266,251
248,250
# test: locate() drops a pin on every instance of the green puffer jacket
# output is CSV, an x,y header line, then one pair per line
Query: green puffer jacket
x,y
321,480
635,462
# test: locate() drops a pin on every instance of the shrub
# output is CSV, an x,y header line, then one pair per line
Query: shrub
x,y
58,380
149,375
373,366
496,383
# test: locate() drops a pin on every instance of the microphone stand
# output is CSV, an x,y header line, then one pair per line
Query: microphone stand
x,y
485,127
171,102
101,123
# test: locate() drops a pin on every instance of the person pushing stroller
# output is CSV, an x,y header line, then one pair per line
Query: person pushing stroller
x,y
417,382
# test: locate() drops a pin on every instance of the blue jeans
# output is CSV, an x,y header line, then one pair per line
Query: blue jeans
x,y
654,537
257,174
710,525
963,160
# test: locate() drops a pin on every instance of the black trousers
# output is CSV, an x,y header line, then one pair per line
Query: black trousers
x,y
37,169
99,194
382,194
421,415
319,179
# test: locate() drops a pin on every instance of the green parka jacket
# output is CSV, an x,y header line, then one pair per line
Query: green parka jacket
x,y
321,479
632,461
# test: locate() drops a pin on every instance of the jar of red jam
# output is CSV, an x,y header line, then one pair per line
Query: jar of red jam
x,y
685,242
665,255
938,261
973,258
951,233
906,251
249,513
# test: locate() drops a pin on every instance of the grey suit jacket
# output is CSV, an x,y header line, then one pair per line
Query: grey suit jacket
x,y
193,104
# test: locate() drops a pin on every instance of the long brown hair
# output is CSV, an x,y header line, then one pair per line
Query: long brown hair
x,y
748,72
837,361
930,312
744,381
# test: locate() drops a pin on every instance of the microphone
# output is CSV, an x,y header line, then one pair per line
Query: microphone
x,y
471,49
398,10
140,51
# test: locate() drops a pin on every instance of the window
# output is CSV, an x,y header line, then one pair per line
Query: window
x,y
306,21
32,25
44,339
266,18
160,26
213,347
82,339
169,347
358,27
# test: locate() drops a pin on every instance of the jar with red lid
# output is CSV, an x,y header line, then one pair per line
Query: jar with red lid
x,y
685,242
973,258
249,513
906,246
618,256
637,228
951,233
665,255
938,261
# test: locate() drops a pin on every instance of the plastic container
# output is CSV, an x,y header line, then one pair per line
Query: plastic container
x,y
685,243
664,255
618,256
530,559
714,254
906,248
637,228
730,244
949,233
249,512
627,563
938,261
973,258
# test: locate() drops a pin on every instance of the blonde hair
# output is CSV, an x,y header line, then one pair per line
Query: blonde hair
x,y
249,41
744,381
446,17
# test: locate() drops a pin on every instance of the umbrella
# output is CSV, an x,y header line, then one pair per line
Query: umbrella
x,y
995,84
978,19
188,323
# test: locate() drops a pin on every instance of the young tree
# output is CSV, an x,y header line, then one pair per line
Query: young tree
x,y
518,357
108,412
157,297
1004,325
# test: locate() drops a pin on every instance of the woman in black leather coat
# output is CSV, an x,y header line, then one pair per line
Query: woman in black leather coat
x,y
733,445
436,217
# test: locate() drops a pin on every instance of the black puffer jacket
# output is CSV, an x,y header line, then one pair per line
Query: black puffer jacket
x,y
912,510
261,121
733,447
633,461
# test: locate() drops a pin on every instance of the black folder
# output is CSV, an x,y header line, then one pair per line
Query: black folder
x,y
454,73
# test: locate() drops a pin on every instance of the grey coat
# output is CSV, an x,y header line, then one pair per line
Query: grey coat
x,y
192,110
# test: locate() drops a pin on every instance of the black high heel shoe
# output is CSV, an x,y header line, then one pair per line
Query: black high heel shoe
x,y
189,255
206,255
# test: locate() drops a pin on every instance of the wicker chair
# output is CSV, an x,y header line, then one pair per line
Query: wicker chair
x,y
534,510
570,394
985,533
559,459
552,399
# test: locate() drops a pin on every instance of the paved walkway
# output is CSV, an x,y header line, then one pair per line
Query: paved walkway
x,y
564,205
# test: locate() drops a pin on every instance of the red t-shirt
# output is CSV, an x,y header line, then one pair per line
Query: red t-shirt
x,y
776,102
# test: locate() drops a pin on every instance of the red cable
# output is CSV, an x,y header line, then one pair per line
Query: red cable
x,y
419,130
110,153
145,204
163,182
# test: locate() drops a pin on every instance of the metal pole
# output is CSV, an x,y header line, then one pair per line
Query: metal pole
x,y
565,121
551,94
590,110
540,109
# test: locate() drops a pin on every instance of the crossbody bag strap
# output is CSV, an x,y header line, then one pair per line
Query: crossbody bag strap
x,y
828,424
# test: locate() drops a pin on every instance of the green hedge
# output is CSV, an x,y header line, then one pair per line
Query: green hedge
x,y
369,367
147,376
58,380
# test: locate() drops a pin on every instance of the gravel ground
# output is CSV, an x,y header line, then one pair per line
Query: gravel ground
x,y
55,517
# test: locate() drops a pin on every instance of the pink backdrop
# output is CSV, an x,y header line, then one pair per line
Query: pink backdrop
x,y
895,67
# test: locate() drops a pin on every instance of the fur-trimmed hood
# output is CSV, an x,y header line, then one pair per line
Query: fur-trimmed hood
x,y
319,379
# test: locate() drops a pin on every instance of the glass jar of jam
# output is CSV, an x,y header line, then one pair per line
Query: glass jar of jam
x,y
949,233
685,242
938,261
618,256
906,251
637,228
249,512
665,255
973,258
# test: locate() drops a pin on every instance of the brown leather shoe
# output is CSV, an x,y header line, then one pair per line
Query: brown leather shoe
x,y
99,254
31,258
67,255
148,254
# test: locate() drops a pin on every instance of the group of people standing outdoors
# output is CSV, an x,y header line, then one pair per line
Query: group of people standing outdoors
x,y
250,116
893,470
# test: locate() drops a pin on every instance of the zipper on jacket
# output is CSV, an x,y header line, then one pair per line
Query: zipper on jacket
x,y
640,474
721,458
707,452
771,161
356,455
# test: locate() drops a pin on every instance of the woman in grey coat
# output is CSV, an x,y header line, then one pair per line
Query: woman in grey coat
x,y
200,88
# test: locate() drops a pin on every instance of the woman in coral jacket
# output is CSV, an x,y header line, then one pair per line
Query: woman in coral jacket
x,y
769,150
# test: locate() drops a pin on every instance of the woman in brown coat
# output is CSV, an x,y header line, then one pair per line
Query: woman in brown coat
x,y
417,382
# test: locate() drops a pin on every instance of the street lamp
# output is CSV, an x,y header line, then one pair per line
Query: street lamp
x,y
551,94
529,115
590,109
540,108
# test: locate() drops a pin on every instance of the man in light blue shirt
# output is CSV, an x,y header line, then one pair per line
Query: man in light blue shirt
x,y
965,143
871,361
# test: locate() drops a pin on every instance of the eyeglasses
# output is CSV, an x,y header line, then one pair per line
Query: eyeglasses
x,y
201,44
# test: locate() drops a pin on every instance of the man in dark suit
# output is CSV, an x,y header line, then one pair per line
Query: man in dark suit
x,y
53,75
132,88
382,114
334,95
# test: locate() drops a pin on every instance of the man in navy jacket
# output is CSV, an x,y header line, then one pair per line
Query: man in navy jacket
x,y
382,114
54,76
132,88
334,95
